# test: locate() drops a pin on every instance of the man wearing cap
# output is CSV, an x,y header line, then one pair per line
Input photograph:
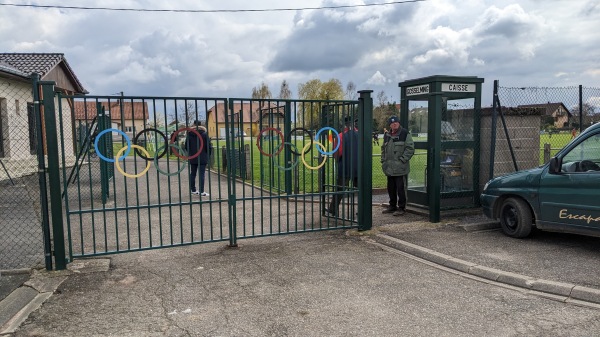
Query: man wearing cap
x,y
397,149
199,162
347,162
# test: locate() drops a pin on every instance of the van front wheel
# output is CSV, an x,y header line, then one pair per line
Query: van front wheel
x,y
516,218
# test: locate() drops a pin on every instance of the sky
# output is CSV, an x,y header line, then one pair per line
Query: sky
x,y
524,43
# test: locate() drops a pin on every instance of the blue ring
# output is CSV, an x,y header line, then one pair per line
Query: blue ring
x,y
338,140
110,160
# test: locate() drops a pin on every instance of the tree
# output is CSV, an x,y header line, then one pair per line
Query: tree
x,y
383,110
310,114
284,91
185,114
351,93
588,112
262,92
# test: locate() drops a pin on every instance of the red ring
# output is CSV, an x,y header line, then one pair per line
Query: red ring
x,y
174,137
260,136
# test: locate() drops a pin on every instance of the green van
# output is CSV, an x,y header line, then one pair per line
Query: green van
x,y
561,196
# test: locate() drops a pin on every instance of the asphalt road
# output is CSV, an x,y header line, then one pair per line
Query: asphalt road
x,y
317,284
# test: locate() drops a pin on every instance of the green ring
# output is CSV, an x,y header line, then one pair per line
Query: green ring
x,y
168,173
293,165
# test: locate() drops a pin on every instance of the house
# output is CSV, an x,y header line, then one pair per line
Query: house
x,y
558,111
128,116
248,118
18,143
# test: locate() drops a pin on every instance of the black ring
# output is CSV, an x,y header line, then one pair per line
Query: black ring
x,y
135,140
309,137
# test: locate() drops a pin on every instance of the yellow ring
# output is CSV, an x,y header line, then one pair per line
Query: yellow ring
x,y
304,161
146,154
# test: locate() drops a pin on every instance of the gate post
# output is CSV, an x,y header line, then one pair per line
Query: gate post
x,y
365,159
41,172
54,174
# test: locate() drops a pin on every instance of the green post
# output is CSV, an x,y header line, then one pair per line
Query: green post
x,y
231,167
54,174
434,180
287,129
365,159
42,173
102,146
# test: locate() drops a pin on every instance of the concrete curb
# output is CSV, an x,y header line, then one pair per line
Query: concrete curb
x,y
17,306
568,290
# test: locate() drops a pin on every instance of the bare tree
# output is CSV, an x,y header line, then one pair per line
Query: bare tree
x,y
588,112
382,111
351,93
186,113
284,91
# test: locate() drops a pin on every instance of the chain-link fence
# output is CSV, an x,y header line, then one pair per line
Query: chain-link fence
x,y
537,122
21,235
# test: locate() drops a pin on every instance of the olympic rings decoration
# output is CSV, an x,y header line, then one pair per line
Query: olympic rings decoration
x,y
143,153
135,141
279,149
168,173
307,148
194,131
181,153
309,137
294,164
133,175
313,167
337,143
111,160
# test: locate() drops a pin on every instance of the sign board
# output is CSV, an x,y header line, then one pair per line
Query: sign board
x,y
417,90
458,87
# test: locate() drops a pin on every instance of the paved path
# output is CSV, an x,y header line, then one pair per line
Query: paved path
x,y
336,283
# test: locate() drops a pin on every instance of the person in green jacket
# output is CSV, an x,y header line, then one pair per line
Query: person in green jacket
x,y
397,149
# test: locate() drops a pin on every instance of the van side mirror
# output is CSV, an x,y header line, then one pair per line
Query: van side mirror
x,y
554,166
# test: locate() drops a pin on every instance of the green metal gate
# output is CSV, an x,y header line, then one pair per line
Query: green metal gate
x,y
257,181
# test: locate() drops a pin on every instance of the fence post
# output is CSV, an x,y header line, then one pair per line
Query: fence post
x,y
54,174
365,159
581,128
546,152
496,106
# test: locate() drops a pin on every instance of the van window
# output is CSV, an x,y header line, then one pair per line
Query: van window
x,y
585,157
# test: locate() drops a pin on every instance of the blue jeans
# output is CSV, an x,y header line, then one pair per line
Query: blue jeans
x,y
194,168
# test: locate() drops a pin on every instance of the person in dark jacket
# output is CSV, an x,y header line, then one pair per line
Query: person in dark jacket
x,y
397,149
198,163
347,163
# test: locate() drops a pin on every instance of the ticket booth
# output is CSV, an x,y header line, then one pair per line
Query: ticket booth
x,y
443,115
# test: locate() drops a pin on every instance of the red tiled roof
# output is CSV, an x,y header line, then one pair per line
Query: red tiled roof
x,y
139,110
250,111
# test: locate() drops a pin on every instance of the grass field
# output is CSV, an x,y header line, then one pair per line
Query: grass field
x,y
557,141
270,172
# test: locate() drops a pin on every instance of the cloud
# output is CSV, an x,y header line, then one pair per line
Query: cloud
x,y
377,79
523,30
226,54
